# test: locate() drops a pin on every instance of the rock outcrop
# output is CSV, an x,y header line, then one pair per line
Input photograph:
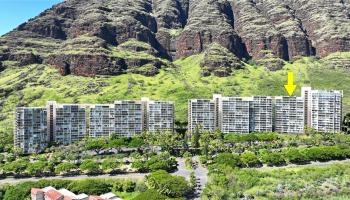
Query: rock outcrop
x,y
219,61
110,37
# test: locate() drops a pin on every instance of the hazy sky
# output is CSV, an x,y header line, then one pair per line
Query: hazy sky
x,y
15,12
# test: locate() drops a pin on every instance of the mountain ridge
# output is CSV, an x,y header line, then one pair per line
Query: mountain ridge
x,y
86,37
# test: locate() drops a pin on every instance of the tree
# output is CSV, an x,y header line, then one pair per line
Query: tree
x,y
64,168
90,167
249,159
95,144
204,141
110,165
229,159
346,123
91,187
293,155
150,195
273,158
16,167
166,184
36,168
195,137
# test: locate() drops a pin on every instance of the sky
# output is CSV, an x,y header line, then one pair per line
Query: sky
x,y
16,12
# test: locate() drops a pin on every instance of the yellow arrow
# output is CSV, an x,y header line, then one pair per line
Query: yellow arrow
x,y
290,87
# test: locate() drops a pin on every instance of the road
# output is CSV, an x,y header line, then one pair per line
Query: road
x,y
181,169
117,176
201,174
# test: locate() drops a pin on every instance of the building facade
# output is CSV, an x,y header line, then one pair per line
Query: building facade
x,y
289,114
234,115
67,123
159,115
30,133
70,123
128,118
261,114
101,120
201,114
323,110
318,109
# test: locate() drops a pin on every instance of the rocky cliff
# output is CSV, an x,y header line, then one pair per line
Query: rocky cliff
x,y
111,37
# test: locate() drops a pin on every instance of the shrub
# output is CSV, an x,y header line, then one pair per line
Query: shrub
x,y
90,186
293,155
16,167
273,158
136,142
166,184
129,186
109,165
228,159
249,159
151,195
65,167
90,167
36,168
93,144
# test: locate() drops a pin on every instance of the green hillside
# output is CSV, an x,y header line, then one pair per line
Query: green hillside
x,y
34,85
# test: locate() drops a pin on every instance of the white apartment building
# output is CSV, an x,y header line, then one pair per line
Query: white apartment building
x,y
289,114
201,113
67,123
101,120
70,123
30,133
128,118
233,114
323,109
261,114
159,115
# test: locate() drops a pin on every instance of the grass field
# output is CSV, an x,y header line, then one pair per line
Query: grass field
x,y
34,85
329,181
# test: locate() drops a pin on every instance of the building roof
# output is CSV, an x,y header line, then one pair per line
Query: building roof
x,y
67,193
110,196
82,196
34,191
53,194
45,189
95,198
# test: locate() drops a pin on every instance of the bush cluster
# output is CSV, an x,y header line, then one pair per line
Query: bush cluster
x,y
294,155
103,143
251,137
156,162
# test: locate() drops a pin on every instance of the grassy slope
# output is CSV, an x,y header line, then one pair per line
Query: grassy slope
x,y
34,85
329,181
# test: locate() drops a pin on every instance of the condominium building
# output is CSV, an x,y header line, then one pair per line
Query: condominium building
x,y
101,120
289,114
231,114
159,115
323,109
30,133
234,114
70,123
261,114
201,113
128,118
